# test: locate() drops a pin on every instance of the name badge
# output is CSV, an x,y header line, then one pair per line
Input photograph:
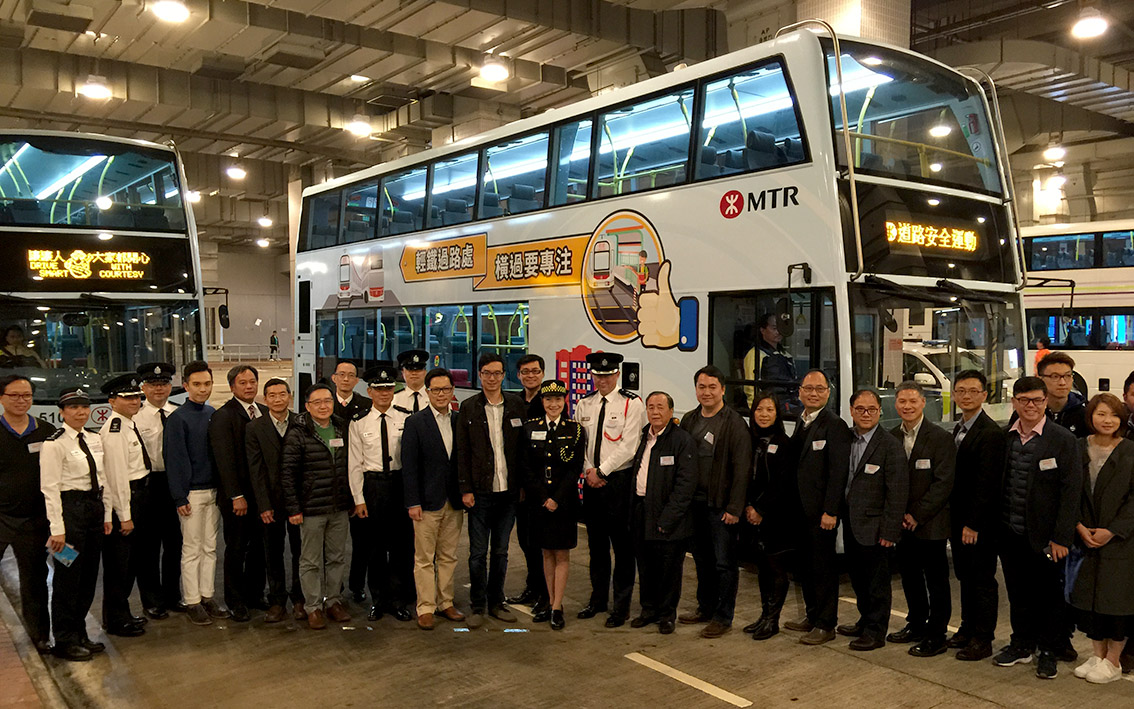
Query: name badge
x,y
35,447
1048,464
709,437
773,447
517,423
336,443
78,454
922,464
871,468
539,435
666,460
368,434
585,419
818,445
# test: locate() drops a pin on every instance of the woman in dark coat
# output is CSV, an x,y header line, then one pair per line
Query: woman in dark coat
x,y
553,463
773,507
1103,595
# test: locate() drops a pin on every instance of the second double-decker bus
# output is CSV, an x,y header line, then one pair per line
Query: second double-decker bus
x,y
101,271
856,192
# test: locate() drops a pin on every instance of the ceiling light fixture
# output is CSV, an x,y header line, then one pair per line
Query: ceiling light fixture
x,y
170,11
935,167
871,61
264,221
1055,182
359,126
933,202
236,172
105,236
359,78
263,243
1054,153
103,203
940,130
96,87
193,196
494,70
1090,24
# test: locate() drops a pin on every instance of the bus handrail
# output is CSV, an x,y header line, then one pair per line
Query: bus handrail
x,y
921,147
845,131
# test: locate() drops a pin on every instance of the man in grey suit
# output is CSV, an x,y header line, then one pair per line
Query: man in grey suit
x,y
875,502
922,559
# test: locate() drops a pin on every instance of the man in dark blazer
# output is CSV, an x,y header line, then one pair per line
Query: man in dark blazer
x,y
243,530
433,499
264,443
1042,486
876,492
974,514
922,559
348,405
823,441
665,478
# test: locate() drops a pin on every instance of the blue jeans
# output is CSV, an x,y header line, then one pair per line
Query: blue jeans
x,y
490,524
714,553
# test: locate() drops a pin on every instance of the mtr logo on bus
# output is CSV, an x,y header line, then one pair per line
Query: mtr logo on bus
x,y
733,202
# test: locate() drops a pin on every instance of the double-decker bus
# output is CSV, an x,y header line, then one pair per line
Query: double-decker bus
x,y
855,191
1081,297
101,271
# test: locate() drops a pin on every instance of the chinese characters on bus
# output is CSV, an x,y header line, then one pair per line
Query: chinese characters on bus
x,y
527,265
80,264
439,259
928,236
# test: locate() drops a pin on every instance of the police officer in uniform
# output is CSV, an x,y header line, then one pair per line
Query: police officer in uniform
x,y
164,542
79,513
375,469
613,420
413,398
127,463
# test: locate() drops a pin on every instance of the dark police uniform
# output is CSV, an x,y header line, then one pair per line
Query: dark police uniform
x,y
553,461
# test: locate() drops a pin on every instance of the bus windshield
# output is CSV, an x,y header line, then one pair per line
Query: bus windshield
x,y
911,119
84,183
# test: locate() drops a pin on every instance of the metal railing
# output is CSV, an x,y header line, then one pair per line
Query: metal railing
x,y
239,353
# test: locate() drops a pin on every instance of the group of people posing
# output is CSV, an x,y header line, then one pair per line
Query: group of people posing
x,y
398,473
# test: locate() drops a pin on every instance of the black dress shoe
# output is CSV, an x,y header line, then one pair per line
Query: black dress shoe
x,y
525,598
137,620
240,614
908,634
612,620
401,613
866,643
590,611
958,640
374,614
358,596
156,613
557,621
930,647
665,627
95,648
260,604
975,650
851,630
74,653
125,630
43,647
642,621
178,607
542,615
1067,653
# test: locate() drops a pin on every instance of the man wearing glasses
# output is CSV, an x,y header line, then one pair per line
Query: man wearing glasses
x,y
1042,485
877,489
823,442
1065,406
488,432
348,402
530,369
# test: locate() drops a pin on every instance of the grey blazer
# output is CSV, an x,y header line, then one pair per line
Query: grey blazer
x,y
879,488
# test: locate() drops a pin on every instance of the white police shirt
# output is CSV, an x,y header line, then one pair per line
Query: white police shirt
x,y
621,431
64,466
365,446
148,421
122,460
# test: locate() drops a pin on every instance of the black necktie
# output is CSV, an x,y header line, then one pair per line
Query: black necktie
x,y
161,413
91,465
416,402
385,447
598,433
551,429
145,453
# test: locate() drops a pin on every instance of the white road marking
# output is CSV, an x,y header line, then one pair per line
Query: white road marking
x,y
710,689
526,610
896,614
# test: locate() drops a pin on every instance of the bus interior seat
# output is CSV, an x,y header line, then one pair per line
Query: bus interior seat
x,y
793,149
434,216
154,219
461,378
760,150
116,216
733,160
27,211
456,212
490,206
356,228
871,161
403,222
522,199
6,214
709,167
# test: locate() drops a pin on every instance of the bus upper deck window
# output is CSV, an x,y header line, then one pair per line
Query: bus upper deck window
x,y
513,176
644,146
402,202
571,163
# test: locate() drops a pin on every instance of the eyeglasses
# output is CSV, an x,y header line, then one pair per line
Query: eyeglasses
x,y
1059,377
488,374
968,392
530,372
1030,401
864,410
441,390
321,402
813,389
19,397
346,375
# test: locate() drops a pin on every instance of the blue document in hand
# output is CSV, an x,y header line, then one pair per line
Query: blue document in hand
x,y
67,555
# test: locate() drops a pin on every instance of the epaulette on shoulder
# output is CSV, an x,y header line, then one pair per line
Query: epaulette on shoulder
x,y
628,394
587,396
116,426
55,436
404,410
534,419
360,414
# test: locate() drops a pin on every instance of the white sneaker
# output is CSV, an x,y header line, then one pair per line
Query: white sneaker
x,y
1104,673
1092,662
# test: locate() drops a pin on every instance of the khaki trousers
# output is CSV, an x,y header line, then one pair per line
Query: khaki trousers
x,y
435,540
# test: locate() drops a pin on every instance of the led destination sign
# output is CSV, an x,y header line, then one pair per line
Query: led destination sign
x,y
930,237
78,264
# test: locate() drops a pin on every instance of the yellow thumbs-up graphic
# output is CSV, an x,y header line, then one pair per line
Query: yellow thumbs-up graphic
x,y
659,317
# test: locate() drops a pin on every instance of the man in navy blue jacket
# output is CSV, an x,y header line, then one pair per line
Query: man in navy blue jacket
x,y
433,499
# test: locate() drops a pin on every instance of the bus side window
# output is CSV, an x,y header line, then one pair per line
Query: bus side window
x,y
402,202
513,176
644,146
361,205
323,222
454,190
570,163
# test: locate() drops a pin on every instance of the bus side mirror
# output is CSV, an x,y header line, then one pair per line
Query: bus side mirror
x,y
222,315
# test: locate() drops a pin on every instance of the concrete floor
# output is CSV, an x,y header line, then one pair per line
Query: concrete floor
x,y
393,664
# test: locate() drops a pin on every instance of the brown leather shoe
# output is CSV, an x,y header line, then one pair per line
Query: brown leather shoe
x,y
425,621
275,614
451,613
338,614
298,612
715,629
316,621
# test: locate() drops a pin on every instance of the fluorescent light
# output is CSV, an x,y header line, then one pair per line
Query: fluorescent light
x,y
170,11
1055,182
493,70
263,243
103,203
14,158
105,236
264,221
236,172
1054,153
193,196
1090,24
871,61
359,78
940,131
71,176
933,201
96,87
42,308
935,167
359,126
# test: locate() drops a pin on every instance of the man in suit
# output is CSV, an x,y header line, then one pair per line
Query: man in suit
x,y
974,509
665,479
433,499
489,429
263,445
823,441
348,404
922,559
243,530
875,500
1042,487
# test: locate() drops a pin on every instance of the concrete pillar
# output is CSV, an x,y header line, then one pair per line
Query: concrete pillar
x,y
882,20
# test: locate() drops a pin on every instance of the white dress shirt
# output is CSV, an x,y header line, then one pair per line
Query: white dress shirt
x,y
644,468
621,431
909,435
148,421
445,425
809,418
64,466
365,447
122,460
495,415
404,399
